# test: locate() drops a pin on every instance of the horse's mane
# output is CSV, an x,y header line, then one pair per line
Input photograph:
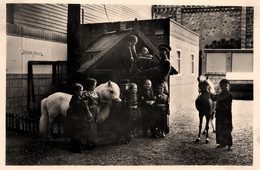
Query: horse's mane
x,y
212,86
113,84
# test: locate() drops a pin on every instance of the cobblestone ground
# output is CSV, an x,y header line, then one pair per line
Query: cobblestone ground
x,y
178,148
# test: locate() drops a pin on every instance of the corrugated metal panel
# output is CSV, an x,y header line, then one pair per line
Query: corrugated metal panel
x,y
52,17
112,13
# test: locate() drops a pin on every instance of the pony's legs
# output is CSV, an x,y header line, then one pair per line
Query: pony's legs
x,y
207,128
50,128
212,125
200,126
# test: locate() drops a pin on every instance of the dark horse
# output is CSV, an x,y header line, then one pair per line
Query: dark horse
x,y
204,104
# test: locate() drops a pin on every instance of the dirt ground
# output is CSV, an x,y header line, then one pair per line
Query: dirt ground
x,y
178,148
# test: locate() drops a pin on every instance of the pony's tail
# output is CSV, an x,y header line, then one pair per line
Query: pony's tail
x,y
103,113
44,120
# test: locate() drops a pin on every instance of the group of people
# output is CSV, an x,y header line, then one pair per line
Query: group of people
x,y
81,112
149,107
82,107
154,106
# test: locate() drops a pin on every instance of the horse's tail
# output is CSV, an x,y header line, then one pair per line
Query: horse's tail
x,y
44,120
103,113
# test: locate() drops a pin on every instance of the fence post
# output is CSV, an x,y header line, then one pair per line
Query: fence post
x,y
17,123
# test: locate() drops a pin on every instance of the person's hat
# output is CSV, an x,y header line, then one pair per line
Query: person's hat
x,y
124,81
164,47
224,81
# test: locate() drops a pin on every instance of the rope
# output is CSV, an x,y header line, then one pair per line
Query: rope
x,y
106,12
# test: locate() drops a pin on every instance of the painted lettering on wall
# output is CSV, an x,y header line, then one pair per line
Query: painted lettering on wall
x,y
33,53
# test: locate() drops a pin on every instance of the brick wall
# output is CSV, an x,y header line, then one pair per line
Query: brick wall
x,y
249,27
232,26
214,25
16,91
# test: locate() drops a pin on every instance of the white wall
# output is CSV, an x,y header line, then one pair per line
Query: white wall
x,y
20,50
184,86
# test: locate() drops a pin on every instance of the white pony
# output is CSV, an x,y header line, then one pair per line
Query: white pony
x,y
58,103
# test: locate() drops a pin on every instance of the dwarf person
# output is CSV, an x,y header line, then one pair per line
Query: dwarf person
x,y
77,113
160,105
147,101
224,125
144,59
130,105
128,54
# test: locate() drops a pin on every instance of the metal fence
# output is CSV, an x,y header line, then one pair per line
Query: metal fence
x,y
22,124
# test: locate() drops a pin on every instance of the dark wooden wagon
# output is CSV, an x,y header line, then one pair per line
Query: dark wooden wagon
x,y
102,60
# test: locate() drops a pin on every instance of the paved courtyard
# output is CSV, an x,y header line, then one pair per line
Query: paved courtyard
x,y
178,148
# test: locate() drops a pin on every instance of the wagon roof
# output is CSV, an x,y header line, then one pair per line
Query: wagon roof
x,y
107,42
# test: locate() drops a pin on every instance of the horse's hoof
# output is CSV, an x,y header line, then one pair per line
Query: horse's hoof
x,y
207,140
197,140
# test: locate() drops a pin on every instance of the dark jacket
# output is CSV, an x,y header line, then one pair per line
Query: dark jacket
x,y
129,99
146,95
223,118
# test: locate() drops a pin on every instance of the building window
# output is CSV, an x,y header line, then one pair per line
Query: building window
x,y
179,61
242,62
192,64
159,29
216,63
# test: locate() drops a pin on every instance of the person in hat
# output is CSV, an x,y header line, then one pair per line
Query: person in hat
x,y
163,70
124,121
165,66
224,125
123,85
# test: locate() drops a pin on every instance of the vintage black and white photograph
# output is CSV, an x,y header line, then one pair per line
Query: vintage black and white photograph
x,y
129,84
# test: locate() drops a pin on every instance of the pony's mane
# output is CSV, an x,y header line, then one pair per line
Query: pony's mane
x,y
212,86
113,84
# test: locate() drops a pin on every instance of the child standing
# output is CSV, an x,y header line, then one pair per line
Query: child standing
x,y
91,99
130,100
160,106
147,101
124,86
224,125
76,114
